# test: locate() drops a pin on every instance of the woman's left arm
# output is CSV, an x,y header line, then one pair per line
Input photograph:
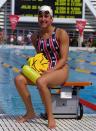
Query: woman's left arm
x,y
63,40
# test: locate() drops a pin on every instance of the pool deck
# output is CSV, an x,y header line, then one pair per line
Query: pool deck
x,y
87,123
9,123
31,47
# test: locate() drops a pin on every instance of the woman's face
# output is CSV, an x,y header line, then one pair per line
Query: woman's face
x,y
44,19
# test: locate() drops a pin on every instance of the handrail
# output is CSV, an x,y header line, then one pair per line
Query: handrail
x,y
91,7
2,2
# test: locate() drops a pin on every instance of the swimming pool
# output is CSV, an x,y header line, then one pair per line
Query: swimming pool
x,y
82,68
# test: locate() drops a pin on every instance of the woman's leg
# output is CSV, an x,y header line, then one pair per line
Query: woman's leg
x,y
21,84
46,96
54,78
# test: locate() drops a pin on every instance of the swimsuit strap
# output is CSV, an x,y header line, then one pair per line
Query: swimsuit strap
x,y
55,29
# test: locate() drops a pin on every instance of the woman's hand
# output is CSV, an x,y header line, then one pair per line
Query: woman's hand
x,y
46,71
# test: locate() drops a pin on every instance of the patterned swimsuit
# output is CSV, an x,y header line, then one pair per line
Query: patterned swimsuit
x,y
50,48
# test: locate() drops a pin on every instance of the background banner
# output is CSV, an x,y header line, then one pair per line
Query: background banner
x,y
13,20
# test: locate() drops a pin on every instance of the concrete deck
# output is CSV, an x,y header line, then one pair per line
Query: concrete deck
x,y
9,123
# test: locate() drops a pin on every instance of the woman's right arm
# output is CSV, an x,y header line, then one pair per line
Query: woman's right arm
x,y
33,39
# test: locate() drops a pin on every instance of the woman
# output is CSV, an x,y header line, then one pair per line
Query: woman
x,y
54,43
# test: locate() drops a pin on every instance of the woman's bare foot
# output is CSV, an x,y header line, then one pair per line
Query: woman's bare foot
x,y
51,123
26,117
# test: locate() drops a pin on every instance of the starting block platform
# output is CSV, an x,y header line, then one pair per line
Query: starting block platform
x,y
65,100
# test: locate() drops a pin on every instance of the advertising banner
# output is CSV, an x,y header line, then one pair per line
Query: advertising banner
x,y
13,20
80,25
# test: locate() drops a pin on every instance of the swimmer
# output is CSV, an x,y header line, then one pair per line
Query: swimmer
x,y
54,44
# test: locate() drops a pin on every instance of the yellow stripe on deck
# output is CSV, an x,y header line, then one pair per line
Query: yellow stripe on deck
x,y
82,70
80,60
6,65
15,69
93,63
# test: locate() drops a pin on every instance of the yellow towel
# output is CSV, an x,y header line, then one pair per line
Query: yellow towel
x,y
38,62
35,66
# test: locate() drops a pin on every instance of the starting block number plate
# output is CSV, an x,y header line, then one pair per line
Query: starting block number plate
x,y
66,93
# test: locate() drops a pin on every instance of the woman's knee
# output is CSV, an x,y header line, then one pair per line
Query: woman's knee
x,y
19,79
41,82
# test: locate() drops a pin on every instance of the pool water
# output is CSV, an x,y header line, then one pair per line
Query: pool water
x,y
11,61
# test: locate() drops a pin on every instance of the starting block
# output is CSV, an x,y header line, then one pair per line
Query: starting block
x,y
65,100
